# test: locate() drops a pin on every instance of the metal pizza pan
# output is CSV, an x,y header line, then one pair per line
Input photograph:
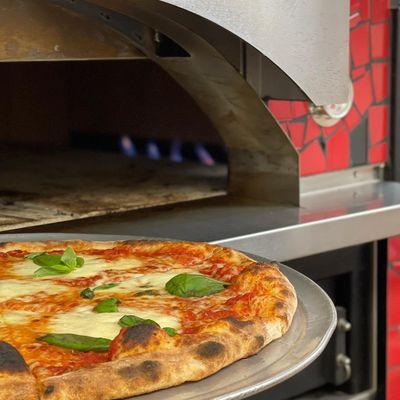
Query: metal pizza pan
x,y
312,327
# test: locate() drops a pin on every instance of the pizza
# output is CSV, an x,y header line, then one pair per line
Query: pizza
x,y
111,320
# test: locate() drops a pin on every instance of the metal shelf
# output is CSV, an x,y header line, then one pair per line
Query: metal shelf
x,y
327,220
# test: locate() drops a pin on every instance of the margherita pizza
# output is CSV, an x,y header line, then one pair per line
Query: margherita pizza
x,y
110,320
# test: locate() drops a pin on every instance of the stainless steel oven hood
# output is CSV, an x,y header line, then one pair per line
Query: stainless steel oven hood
x,y
306,39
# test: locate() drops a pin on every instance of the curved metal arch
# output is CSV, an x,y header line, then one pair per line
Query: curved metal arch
x,y
262,161
307,39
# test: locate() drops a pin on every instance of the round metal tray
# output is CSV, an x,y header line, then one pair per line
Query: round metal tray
x,y
312,327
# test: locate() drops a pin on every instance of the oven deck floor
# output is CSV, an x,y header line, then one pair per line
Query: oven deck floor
x,y
38,189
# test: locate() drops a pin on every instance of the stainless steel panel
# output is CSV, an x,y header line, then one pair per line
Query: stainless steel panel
x,y
326,221
307,39
312,327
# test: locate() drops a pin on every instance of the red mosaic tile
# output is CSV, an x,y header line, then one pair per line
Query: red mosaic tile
x,y
359,44
363,92
296,132
393,298
378,123
365,9
393,347
312,159
299,108
393,386
352,119
380,10
313,130
355,6
396,265
338,150
284,127
357,73
332,129
355,19
380,40
280,109
394,249
380,78
378,153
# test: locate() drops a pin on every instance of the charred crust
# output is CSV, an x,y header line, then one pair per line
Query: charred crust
x,y
259,341
139,334
286,293
238,323
11,360
210,349
127,372
151,369
49,390
279,305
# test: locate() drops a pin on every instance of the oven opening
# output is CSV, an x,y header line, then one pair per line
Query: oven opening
x,y
90,138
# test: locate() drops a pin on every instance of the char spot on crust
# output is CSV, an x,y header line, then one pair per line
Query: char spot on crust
x,y
285,293
10,359
151,369
127,372
279,305
210,349
139,334
259,341
49,390
238,323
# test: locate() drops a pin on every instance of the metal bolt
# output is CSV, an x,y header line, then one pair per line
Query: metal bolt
x,y
344,325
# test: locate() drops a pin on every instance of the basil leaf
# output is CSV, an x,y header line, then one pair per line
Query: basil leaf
x,y
76,342
47,260
87,293
194,285
69,257
170,331
106,286
147,293
79,262
55,264
53,270
107,305
31,256
128,321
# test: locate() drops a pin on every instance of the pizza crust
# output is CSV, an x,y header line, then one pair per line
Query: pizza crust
x,y
146,358
191,358
16,381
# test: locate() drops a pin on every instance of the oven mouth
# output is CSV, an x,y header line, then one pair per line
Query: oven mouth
x,y
85,139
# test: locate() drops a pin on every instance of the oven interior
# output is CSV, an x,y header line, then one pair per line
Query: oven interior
x,y
93,138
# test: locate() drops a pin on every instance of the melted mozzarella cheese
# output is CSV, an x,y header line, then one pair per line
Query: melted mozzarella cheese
x,y
84,321
17,317
92,266
12,288
156,280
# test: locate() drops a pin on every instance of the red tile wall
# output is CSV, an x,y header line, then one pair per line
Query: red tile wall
x,y
329,149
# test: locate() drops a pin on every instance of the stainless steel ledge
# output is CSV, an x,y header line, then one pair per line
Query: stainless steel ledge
x,y
328,220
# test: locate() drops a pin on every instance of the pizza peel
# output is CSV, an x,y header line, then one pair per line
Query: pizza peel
x,y
312,326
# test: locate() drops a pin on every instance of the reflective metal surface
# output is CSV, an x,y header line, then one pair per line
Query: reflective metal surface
x,y
312,327
32,30
306,39
327,220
